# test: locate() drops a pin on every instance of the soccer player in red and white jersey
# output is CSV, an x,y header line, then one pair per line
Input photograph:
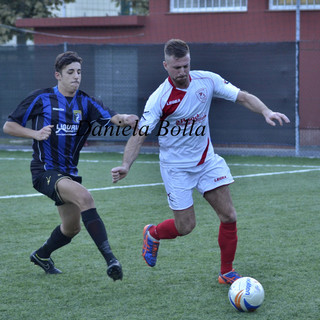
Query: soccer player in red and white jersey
x,y
187,160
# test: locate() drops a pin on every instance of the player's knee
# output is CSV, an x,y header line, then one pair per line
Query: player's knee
x,y
187,228
229,217
85,201
71,231
76,230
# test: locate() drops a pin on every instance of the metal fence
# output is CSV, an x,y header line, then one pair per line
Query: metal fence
x,y
123,77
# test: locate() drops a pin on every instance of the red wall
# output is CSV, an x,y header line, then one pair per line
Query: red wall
x,y
258,24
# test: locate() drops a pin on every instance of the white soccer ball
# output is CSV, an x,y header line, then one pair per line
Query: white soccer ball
x,y
246,294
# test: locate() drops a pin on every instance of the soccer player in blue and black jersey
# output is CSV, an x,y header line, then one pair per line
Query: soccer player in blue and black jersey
x,y
56,114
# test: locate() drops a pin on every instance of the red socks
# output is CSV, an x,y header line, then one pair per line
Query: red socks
x,y
164,230
227,240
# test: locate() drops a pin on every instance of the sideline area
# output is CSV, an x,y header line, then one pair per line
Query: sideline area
x,y
152,147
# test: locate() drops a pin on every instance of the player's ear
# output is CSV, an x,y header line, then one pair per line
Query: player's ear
x,y
57,75
165,65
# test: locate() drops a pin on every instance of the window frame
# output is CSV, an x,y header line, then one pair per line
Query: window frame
x,y
207,9
285,7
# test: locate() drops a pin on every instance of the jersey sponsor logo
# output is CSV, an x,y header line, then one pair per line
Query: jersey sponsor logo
x,y
58,109
196,118
66,129
169,103
202,94
172,103
77,116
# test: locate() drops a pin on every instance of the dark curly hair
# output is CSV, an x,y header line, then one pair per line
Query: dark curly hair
x,y
65,58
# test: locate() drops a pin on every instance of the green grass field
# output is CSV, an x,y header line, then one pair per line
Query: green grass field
x,y
277,200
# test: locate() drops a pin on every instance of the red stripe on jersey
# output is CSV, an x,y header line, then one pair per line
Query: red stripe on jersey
x,y
173,102
204,155
171,82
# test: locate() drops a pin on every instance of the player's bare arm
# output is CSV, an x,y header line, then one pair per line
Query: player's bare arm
x,y
254,104
131,153
17,130
123,120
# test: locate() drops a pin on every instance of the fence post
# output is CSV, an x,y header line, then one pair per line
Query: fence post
x,y
297,123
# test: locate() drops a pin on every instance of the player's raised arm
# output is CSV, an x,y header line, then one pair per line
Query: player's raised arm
x,y
254,104
17,130
131,152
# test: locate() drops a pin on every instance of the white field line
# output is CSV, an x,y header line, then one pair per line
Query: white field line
x,y
160,184
276,173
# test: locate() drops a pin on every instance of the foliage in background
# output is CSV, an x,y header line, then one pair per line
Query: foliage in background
x,y
11,10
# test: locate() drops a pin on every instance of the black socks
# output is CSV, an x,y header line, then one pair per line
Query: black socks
x,y
98,233
96,230
55,241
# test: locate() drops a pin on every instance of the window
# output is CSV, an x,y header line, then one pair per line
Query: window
x,y
87,8
291,4
207,5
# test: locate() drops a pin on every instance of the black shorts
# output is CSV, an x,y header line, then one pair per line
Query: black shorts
x,y
46,183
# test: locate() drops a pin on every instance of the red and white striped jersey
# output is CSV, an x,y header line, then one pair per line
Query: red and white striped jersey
x,y
183,115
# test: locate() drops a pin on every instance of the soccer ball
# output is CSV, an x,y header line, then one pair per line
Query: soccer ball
x,y
246,294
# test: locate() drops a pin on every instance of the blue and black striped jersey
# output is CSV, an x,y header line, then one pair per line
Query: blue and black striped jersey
x,y
71,120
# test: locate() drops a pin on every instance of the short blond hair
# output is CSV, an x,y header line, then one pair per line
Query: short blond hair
x,y
177,48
